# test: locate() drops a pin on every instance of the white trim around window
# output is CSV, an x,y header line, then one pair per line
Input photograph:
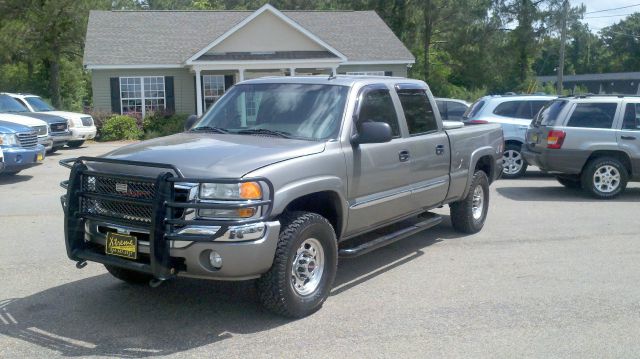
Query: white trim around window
x,y
366,73
139,94
213,88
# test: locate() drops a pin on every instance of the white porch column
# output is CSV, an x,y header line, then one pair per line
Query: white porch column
x,y
334,71
292,71
198,93
240,75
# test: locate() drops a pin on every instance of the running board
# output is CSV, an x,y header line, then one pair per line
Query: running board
x,y
426,221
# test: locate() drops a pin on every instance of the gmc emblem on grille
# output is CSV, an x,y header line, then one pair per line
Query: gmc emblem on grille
x,y
122,187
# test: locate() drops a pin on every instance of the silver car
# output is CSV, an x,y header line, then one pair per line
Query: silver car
x,y
514,114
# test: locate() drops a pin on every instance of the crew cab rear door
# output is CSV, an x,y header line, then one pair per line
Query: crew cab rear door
x,y
629,135
428,146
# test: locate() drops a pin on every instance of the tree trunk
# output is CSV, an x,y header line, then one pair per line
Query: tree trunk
x,y
54,79
428,33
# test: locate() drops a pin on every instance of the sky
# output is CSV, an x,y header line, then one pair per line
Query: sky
x,y
596,21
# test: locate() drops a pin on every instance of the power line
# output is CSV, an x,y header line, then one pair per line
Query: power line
x,y
598,17
617,8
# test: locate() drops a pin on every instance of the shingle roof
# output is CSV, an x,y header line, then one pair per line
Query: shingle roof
x,y
171,37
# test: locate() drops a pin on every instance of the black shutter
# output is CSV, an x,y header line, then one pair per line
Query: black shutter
x,y
388,73
229,80
115,94
195,94
170,100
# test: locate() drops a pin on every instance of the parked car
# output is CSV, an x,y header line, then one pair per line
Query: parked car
x,y
588,141
81,125
278,192
514,114
40,127
19,148
451,109
58,126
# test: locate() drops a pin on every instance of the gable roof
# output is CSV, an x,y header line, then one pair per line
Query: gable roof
x,y
170,38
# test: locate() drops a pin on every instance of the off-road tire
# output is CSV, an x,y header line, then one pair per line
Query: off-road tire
x,y
462,214
275,287
573,183
587,177
522,170
75,144
129,276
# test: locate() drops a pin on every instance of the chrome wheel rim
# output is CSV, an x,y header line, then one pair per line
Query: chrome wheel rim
x,y
477,206
513,162
307,267
606,179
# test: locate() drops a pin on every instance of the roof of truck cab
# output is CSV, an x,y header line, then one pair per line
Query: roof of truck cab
x,y
341,80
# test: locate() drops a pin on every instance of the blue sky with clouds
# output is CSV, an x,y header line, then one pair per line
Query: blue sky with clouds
x,y
596,21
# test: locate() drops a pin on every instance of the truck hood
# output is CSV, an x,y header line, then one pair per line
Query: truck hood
x,y
48,118
213,155
21,120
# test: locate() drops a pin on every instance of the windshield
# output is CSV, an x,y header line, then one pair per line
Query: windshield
x,y
473,110
38,104
303,111
549,113
9,104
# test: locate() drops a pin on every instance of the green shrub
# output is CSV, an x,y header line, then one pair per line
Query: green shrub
x,y
162,124
120,127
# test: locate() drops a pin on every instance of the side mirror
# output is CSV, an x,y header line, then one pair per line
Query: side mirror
x,y
372,132
191,120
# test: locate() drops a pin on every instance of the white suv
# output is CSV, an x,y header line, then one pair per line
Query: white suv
x,y
81,125
514,113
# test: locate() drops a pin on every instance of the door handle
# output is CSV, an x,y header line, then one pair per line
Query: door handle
x,y
627,137
403,156
439,149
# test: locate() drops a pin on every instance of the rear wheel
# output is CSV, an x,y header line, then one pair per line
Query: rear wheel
x,y
468,215
75,144
514,165
569,182
304,266
604,177
129,276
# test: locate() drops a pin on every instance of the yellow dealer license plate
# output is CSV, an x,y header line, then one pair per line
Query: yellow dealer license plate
x,y
40,157
122,245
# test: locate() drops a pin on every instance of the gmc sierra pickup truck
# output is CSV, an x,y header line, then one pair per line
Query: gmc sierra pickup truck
x,y
280,178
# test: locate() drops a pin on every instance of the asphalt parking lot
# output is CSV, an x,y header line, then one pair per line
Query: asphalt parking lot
x,y
553,274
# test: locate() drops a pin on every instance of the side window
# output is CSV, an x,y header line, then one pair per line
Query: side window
x,y
377,106
418,111
593,115
516,109
631,119
455,111
536,106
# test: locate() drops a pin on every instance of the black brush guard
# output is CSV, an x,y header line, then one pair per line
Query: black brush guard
x,y
163,220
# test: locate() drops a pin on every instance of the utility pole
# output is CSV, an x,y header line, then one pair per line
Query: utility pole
x,y
563,38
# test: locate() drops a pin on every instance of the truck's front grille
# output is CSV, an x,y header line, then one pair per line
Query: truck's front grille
x,y
87,121
121,189
41,130
28,139
58,127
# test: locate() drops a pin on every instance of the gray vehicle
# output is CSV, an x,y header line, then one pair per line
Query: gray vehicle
x,y
589,142
451,109
276,181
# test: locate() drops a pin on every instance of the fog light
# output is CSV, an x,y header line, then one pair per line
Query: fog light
x,y
215,259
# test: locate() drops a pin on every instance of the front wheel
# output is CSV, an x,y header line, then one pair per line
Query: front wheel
x,y
468,215
604,177
304,266
514,165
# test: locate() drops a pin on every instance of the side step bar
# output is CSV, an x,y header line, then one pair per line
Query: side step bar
x,y
428,220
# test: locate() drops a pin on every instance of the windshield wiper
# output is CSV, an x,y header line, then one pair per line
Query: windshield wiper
x,y
264,131
209,129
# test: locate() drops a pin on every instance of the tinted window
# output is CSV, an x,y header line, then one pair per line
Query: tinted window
x,y
38,104
442,108
515,109
474,109
593,115
417,111
9,104
377,106
631,117
455,111
536,106
549,113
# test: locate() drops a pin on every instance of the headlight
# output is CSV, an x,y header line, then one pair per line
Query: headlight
x,y
8,139
231,191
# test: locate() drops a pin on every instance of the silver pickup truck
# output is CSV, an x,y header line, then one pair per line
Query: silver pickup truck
x,y
276,181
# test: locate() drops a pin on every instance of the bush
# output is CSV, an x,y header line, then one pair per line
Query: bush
x,y
120,127
162,124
